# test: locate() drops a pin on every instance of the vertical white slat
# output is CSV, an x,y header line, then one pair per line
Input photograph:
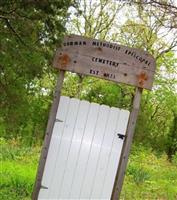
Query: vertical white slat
x,y
84,151
64,148
54,146
74,150
115,155
94,152
105,154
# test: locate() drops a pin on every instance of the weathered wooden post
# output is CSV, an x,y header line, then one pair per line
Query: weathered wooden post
x,y
127,144
48,135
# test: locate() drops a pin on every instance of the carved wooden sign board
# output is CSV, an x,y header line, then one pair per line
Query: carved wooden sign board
x,y
106,60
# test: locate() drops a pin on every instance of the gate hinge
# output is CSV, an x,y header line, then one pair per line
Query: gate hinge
x,y
44,187
58,120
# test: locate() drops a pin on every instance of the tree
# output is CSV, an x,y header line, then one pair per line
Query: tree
x,y
156,116
163,11
94,18
29,31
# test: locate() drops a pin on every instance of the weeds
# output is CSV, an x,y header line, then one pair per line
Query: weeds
x,y
148,177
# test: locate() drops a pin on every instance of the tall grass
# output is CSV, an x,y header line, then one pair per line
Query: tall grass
x,y
18,169
149,175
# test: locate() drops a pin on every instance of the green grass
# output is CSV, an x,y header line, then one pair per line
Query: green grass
x,y
149,175
17,179
18,170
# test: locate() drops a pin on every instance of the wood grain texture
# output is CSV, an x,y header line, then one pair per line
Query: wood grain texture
x,y
50,125
106,60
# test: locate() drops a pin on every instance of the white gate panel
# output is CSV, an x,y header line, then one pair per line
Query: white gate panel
x,y
115,154
74,150
50,166
105,153
94,152
84,151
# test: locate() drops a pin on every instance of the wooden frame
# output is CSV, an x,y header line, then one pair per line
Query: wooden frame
x,y
138,76
126,146
48,135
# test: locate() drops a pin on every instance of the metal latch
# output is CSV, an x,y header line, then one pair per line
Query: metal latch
x,y
121,136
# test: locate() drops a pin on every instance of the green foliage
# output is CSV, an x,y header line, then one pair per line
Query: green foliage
x,y
17,180
94,18
149,176
29,33
14,149
18,169
139,175
99,91
174,158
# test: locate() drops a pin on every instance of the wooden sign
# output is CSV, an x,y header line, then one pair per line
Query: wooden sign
x,y
106,60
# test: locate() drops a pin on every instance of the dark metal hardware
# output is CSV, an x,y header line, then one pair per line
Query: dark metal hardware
x,y
121,136
44,187
58,120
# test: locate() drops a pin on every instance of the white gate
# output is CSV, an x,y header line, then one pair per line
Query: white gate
x,y
82,155
84,151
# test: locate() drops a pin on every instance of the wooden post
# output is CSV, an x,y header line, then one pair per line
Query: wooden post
x,y
126,146
48,135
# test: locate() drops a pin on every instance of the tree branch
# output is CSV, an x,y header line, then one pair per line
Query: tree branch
x,y
15,33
